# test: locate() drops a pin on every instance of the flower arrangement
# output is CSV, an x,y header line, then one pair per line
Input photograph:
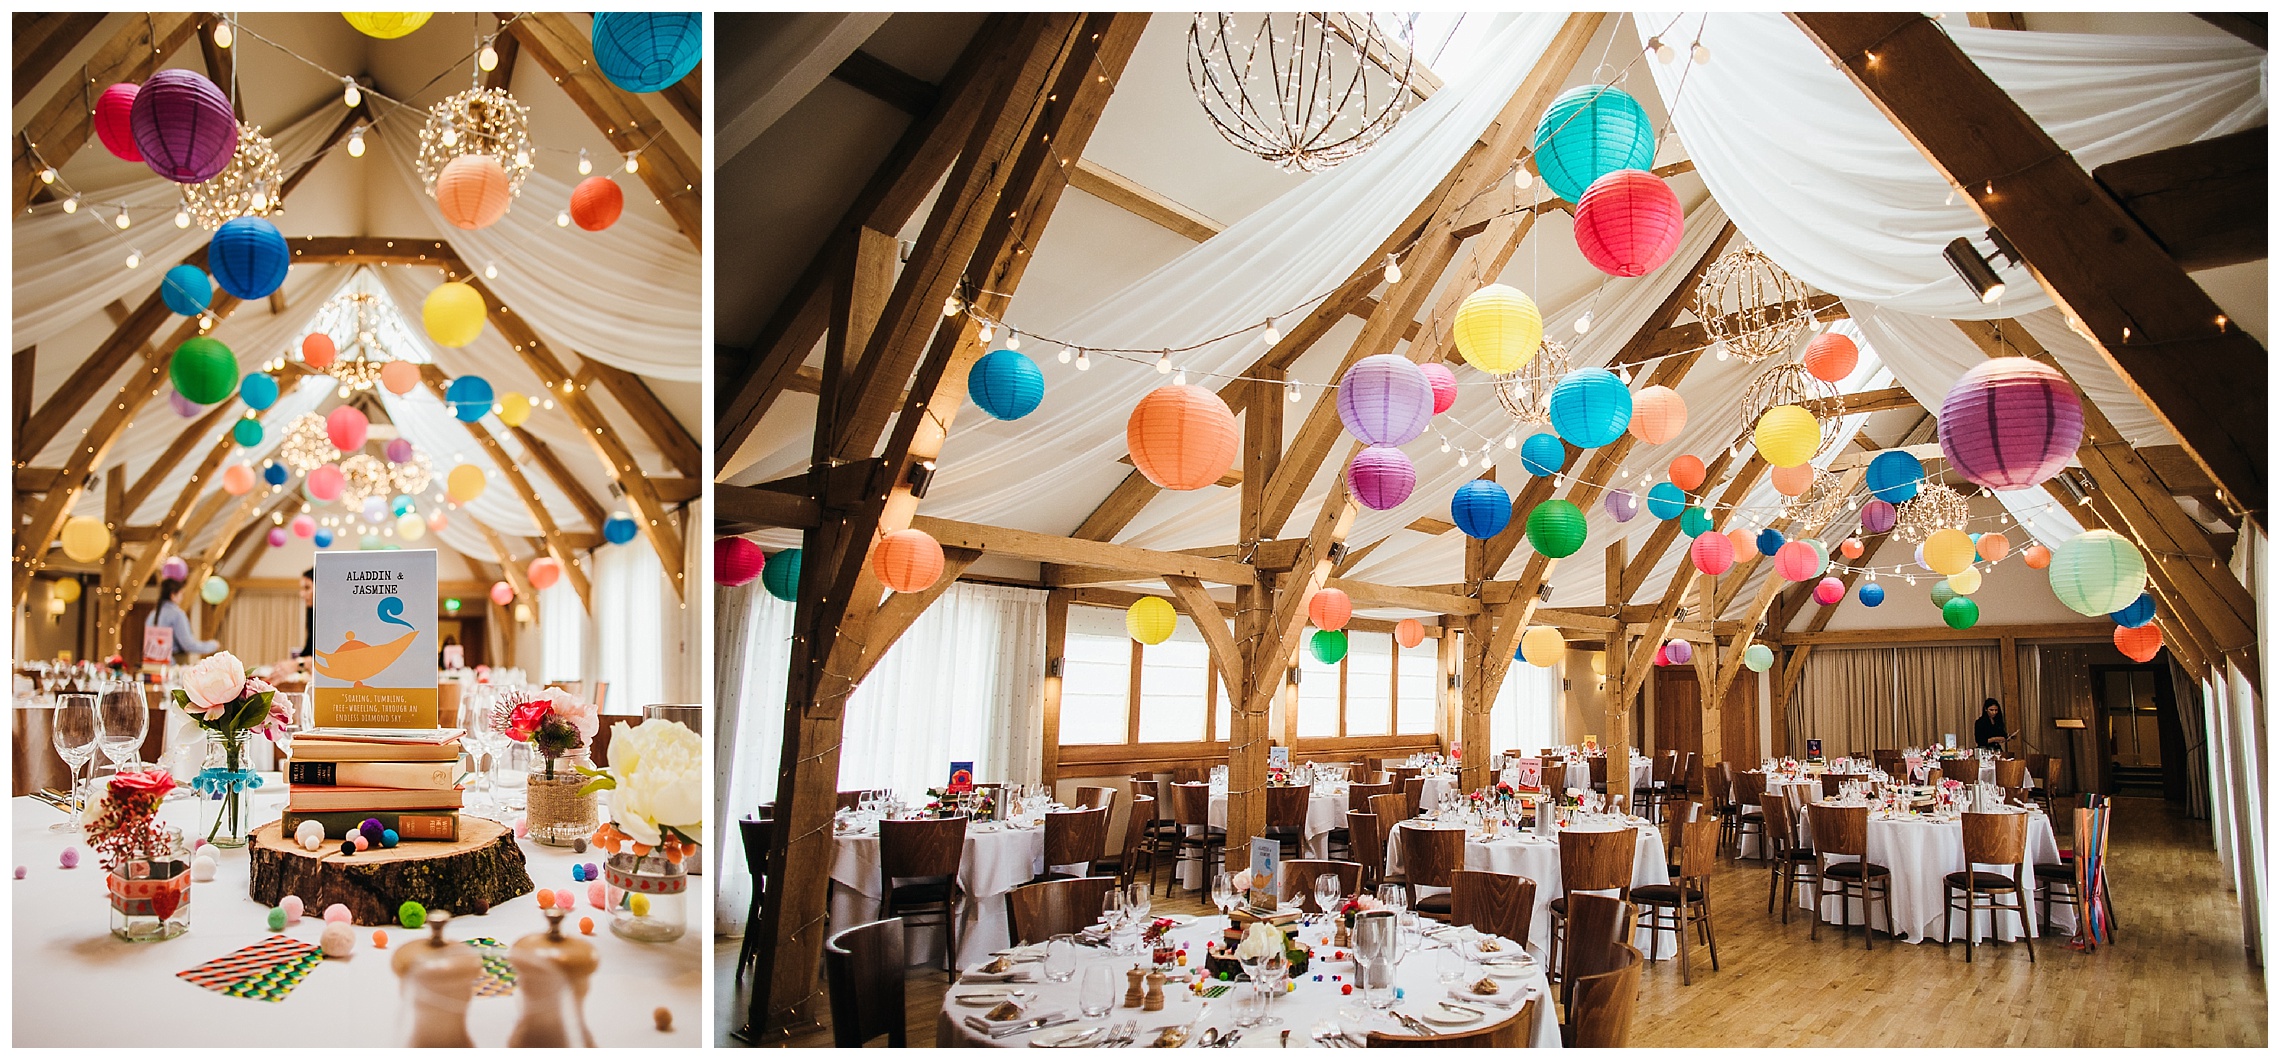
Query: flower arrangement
x,y
656,775
126,826
551,721
218,694
1356,905
977,801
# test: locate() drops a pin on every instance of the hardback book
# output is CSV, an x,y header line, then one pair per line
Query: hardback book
x,y
307,798
428,775
307,750
408,824
403,736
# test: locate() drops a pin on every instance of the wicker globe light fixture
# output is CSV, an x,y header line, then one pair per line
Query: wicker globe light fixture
x,y
249,186
1818,504
1526,395
1304,90
478,121
1750,305
1790,384
306,446
1935,508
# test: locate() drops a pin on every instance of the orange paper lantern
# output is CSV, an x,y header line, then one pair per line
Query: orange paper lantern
x,y
1330,608
1182,437
400,377
1993,546
237,480
2037,557
596,202
2140,644
1657,415
1687,472
1792,481
1409,632
544,572
1852,548
1831,357
317,350
472,191
907,561
1745,543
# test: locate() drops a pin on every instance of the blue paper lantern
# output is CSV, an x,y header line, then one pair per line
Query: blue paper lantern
x,y
258,391
1543,454
186,290
248,257
1006,385
1589,132
323,538
1769,541
1481,509
619,529
1871,594
469,397
644,51
1666,500
274,473
1590,407
781,577
1694,522
2137,614
1894,476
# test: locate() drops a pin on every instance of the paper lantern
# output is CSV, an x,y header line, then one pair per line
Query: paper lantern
x,y
1657,414
69,589
782,578
1622,504
400,377
215,590
1757,657
1662,655
1330,608
1481,508
203,370
1542,645
1694,522
1948,551
1795,562
472,191
1852,548
184,407
2097,572
1004,384
736,561
1182,437
304,527
2037,557
1381,477
324,539
1543,454
2138,613
1444,384
1713,554
1828,591
619,529
1666,500
645,51
274,473
1920,557
1590,407
437,520
464,483
1745,543
502,594
1409,633
258,391
469,397
1942,592
1629,223
1966,581
369,542
1787,435
1588,132
1831,357
596,203
1993,546
1328,645
386,25
114,120
248,257
907,561
246,433
514,409
1770,542
1679,652
1871,594
318,351
403,504
1820,554
2010,423
1878,517
1792,481
2140,643
1687,472
1150,620
1385,400
175,568
452,314
543,572
186,290
183,126
375,509
1556,528
85,538
410,527
1960,613
1895,475
347,428
398,450
1497,329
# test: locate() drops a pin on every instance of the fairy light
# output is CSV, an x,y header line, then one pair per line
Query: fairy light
x,y
951,306
633,161
1164,365
1291,391
1065,355
134,258
356,142
1180,379
585,164
562,219
71,205
487,59
1274,334
47,175
1392,269
350,95
1012,339
1083,363
123,220
985,333
491,271
1583,323
182,217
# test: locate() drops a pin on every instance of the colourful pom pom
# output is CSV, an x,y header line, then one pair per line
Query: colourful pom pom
x,y
389,838
585,925
293,908
347,847
578,845
597,895
578,873
277,919
379,940
545,899
479,905
371,824
522,826
411,914
70,858
1346,988
19,872
638,904
337,940
336,913
363,842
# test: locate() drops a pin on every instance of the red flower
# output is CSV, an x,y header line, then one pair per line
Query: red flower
x,y
526,717
156,782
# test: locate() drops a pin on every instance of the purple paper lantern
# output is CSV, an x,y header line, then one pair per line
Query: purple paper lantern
x,y
188,408
1878,517
398,450
183,126
1382,477
1385,400
277,537
1622,504
2010,423
1679,652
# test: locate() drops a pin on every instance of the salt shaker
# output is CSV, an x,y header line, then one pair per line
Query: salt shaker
x,y
552,972
438,982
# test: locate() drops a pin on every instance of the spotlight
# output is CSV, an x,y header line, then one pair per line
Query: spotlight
x,y
1974,270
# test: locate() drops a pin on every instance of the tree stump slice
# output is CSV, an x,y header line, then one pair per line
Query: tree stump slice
x,y
482,864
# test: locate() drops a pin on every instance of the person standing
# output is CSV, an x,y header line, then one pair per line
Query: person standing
x,y
1991,730
169,616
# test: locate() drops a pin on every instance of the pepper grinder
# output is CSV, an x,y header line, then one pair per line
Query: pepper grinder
x,y
438,983
1155,999
1134,989
552,972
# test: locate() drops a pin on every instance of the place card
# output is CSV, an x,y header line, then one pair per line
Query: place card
x,y
375,640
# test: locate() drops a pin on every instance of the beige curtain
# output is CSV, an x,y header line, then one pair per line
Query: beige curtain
x,y
1844,700
1862,699
263,626
1938,690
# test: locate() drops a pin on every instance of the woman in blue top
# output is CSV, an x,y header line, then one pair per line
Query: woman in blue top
x,y
169,615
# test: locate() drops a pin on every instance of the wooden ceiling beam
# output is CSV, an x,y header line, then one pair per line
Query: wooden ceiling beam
x,y
61,127
2204,202
548,531
1046,548
665,430
668,169
516,571
2098,631
42,40
742,508
509,48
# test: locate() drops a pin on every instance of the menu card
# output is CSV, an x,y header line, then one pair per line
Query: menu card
x,y
961,778
1812,750
1590,744
1266,855
1530,773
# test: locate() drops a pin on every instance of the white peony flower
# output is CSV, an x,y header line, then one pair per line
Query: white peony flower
x,y
659,768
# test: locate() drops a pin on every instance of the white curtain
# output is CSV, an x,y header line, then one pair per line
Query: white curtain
x,y
562,634
752,647
629,620
262,626
1526,713
964,684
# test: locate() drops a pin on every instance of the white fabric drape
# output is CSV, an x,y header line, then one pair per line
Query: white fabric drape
x,y
562,634
753,651
1828,187
964,684
629,616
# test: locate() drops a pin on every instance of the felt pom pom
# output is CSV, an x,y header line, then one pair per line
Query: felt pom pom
x,y
411,914
522,826
293,908
578,845
336,913
565,900
545,899
202,868
277,919
19,872
338,940
379,940
585,925
578,873
310,835
597,895
348,847
363,842
638,904
664,1017
593,871
70,858
478,905
389,838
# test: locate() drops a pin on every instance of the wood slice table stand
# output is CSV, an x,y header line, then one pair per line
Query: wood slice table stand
x,y
482,866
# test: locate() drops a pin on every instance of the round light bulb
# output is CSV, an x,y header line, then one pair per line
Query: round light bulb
x,y
585,164
182,217
522,156
1583,323
1701,54
450,136
71,205
1066,355
950,306
1512,441
123,220
1464,460
1392,270
1291,390
1444,445
1485,463
134,258
985,333
47,176
1274,334
1164,365
1522,180
491,271
633,161
1083,363
1012,339
1180,378
487,59
222,35
562,219
1664,53
356,143
350,95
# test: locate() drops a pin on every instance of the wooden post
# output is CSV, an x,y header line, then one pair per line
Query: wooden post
x,y
1056,654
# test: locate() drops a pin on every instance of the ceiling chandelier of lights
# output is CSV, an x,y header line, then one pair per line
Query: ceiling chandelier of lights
x,y
252,185
1789,383
1934,508
1749,306
1304,90
478,121
1526,395
306,446
357,366
1818,504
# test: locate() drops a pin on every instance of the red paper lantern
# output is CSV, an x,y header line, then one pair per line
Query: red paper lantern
x,y
1628,223
318,351
347,427
736,561
1713,554
1687,472
1444,383
907,561
2140,644
1330,608
1831,357
114,124
325,482
502,594
1182,437
1828,591
544,572
596,203
1409,632
1796,561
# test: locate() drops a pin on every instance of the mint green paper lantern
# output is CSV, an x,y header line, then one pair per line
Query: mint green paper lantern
x,y
2097,572
1942,592
1757,657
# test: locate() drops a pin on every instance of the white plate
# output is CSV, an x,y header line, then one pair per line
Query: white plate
x,y
1509,971
1445,1018
1056,1037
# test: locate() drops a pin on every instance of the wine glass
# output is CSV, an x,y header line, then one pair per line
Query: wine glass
x,y
74,730
1327,891
1112,909
1223,894
1273,971
1136,902
125,717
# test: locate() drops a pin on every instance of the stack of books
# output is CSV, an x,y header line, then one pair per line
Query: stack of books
x,y
408,779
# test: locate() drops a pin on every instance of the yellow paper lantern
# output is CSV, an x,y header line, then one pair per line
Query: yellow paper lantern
x,y
1498,329
1965,582
1542,645
64,589
453,314
514,409
1787,435
410,527
1949,552
85,539
1150,620
386,25
465,483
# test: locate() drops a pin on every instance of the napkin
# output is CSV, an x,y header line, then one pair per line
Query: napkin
x,y
990,1027
1017,974
1506,996
1507,950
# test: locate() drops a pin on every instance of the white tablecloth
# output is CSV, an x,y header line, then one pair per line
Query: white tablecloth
x,y
1642,771
1417,977
998,858
1921,851
1779,785
75,984
1325,810
1538,859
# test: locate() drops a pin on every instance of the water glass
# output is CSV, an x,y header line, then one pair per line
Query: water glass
x,y
1327,892
1223,893
1097,994
1452,966
74,731
125,717
1060,959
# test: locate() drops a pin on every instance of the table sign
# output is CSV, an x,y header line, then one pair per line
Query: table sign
x,y
1915,765
961,778
158,647
1590,744
1266,855
1812,750
1278,758
1948,741
364,677
454,656
1530,773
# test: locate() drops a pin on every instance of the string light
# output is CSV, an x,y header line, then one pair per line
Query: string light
x,y
951,306
123,220
1512,441
182,217
633,161
1663,53
356,142
1012,339
985,333
562,219
1180,379
1083,363
585,164
1065,355
1164,365
222,35
134,258
1392,270
1583,323
350,95
491,271
71,205
1485,464
1444,441
1291,390
1701,54
488,59
47,175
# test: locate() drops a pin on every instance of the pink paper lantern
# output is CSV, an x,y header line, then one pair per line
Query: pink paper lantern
x,y
1796,561
277,537
736,561
437,520
325,482
1382,477
304,527
1385,400
1444,383
1628,223
1828,591
1662,655
183,126
1878,517
502,594
1679,652
1657,414
114,120
1713,554
398,451
176,568
346,427
1622,504
2010,423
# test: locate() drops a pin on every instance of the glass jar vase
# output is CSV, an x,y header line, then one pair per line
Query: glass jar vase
x,y
150,897
649,900
225,789
559,815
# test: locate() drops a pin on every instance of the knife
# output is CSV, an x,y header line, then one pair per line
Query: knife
x,y
1413,1023
1026,1026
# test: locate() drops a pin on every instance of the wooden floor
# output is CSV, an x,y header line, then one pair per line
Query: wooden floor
x,y
2176,975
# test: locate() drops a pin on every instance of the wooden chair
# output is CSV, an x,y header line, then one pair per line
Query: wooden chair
x,y
864,967
1598,766
1075,838
1295,879
2010,772
1831,784
1675,907
1286,816
926,853
1093,798
1749,812
1367,842
1391,809
1510,1032
1591,861
1659,784
1158,829
755,836
1190,775
1126,866
1843,830
1431,857
1601,1004
1358,796
2053,769
1792,860
849,800
1890,760
1601,926
1499,903
1721,784
1680,815
1191,809
1401,774
1964,771
1413,793
1988,839
1038,911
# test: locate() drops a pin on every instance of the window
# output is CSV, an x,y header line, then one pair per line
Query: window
x,y
562,633
1417,688
1317,695
1221,707
1173,678
1369,684
1524,713
1096,682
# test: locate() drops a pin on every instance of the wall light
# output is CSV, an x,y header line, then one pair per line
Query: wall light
x,y
1973,269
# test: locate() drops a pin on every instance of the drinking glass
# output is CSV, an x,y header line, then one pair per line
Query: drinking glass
x,y
1112,913
1327,892
1060,959
1393,896
1451,966
1223,893
124,718
1273,971
1097,994
1136,903
74,730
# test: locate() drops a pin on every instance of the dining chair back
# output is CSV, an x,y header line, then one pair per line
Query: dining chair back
x,y
1843,831
1591,928
1286,813
1192,837
849,800
1598,766
1597,861
1401,774
1136,845
1998,839
1075,838
1840,829
1994,838
1413,792
863,966
1601,1004
1831,783
1431,857
1749,819
1510,1032
1500,903
1093,798
2037,764
1295,879
1358,796
2011,773
1890,761
1038,911
1791,859
1391,808
755,836
1682,906
918,873
1367,844
1191,804
1698,850
1963,771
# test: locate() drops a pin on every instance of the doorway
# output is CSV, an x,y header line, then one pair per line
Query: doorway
x,y
2141,740
1678,710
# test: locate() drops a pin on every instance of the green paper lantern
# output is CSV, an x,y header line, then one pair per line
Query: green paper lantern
x,y
2097,573
1942,592
1960,613
781,577
1694,521
1328,645
205,371
247,433
1556,528
1757,657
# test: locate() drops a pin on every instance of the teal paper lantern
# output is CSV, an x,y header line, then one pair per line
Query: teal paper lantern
x,y
258,391
1543,454
646,51
1006,385
1757,657
2097,572
186,290
1590,407
1960,613
1328,646
205,371
1556,528
1589,132
246,433
1694,521
1666,501
469,397
781,577
402,505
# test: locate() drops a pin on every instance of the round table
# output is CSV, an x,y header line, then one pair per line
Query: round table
x,y
1519,853
1325,810
1417,976
998,857
1642,774
1921,849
